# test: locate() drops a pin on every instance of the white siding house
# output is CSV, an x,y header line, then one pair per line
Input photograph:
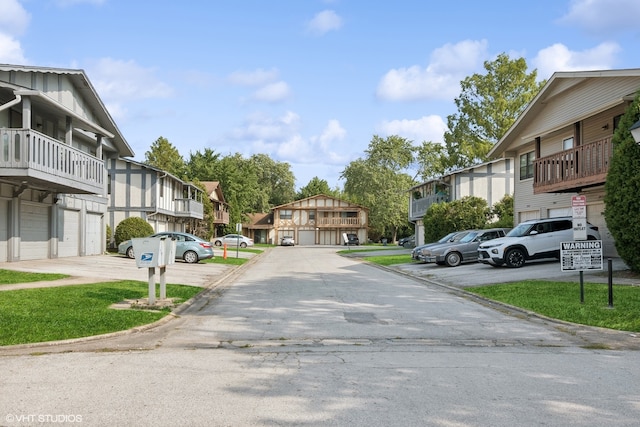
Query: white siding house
x,y
490,180
163,200
55,138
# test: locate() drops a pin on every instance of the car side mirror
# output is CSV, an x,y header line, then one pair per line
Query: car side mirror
x,y
533,232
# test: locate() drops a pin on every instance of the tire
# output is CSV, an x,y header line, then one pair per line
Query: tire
x,y
453,259
130,253
217,243
190,257
515,258
243,245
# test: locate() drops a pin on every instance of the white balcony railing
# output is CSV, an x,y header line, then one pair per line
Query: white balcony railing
x,y
29,154
189,208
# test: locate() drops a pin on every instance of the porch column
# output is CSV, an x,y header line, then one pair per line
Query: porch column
x,y
26,112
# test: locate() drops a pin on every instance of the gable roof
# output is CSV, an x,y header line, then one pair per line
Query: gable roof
x,y
577,91
214,190
106,126
320,196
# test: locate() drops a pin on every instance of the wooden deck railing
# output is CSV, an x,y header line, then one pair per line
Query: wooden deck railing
x,y
581,166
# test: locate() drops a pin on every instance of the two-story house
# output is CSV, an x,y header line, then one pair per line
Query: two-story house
x,y
55,137
319,220
163,200
219,206
490,180
562,143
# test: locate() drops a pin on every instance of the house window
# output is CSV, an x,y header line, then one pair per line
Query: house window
x,y
312,215
286,214
567,144
616,121
526,165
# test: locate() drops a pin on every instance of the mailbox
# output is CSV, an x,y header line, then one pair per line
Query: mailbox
x,y
154,251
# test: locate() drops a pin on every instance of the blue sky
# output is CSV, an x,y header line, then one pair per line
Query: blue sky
x,y
308,82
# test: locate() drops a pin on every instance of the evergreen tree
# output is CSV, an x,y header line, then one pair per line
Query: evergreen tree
x,y
622,189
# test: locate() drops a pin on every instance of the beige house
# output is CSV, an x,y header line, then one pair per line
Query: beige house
x,y
55,139
562,144
220,206
490,180
163,200
317,220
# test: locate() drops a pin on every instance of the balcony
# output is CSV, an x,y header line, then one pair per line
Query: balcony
x,y
221,217
39,161
189,208
338,222
420,206
571,170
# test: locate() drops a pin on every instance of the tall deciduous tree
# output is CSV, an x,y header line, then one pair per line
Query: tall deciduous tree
x,y
487,107
379,182
315,187
275,178
163,155
622,187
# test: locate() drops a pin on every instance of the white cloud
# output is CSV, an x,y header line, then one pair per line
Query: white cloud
x,y
603,16
426,128
323,22
448,65
256,77
272,93
10,50
121,81
559,58
13,19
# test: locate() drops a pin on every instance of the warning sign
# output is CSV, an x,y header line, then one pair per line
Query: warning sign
x,y
581,255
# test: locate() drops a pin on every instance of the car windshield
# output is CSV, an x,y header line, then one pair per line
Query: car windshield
x,y
447,237
520,230
469,237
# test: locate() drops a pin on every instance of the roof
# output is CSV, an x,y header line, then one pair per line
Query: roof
x,y
320,196
83,86
456,172
214,190
559,84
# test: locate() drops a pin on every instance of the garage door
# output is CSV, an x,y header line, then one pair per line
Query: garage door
x,y
94,234
4,226
69,235
34,231
307,237
329,237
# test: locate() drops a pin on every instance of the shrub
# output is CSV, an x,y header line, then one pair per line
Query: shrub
x,y
132,227
446,217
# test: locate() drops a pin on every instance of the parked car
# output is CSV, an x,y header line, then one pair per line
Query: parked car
x,y
189,248
233,240
464,250
451,237
405,242
533,239
287,241
352,239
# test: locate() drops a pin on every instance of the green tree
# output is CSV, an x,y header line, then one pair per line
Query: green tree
x,y
163,155
503,210
315,187
487,107
379,183
275,178
202,165
446,217
622,188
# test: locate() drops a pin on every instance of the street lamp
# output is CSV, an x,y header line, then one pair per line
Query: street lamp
x,y
635,131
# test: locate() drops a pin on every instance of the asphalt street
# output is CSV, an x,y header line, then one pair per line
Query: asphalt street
x,y
303,336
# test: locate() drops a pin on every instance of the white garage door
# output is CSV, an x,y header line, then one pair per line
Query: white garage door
x,y
329,237
69,235
94,234
4,226
34,232
307,237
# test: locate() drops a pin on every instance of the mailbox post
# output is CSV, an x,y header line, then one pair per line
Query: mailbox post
x,y
152,252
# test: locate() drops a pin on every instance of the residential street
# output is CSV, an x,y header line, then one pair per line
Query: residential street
x,y
303,336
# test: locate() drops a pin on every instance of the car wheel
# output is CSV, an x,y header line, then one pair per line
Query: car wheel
x,y
217,243
453,259
190,257
515,258
243,245
130,253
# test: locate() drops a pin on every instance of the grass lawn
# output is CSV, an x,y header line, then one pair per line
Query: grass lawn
x,y
561,300
390,259
58,313
8,277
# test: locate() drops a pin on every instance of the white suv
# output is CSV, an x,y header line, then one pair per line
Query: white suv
x,y
533,239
